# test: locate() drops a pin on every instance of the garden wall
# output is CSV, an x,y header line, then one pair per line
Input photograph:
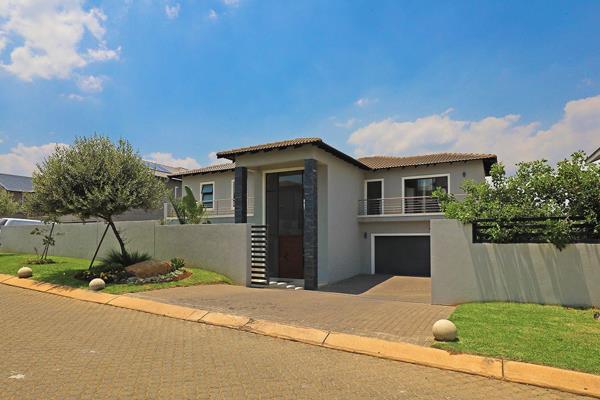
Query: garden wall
x,y
223,248
463,271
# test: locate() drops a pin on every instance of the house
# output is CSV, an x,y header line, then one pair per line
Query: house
x,y
330,216
16,185
165,173
594,157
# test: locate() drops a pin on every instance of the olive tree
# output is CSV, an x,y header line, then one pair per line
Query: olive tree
x,y
8,205
95,178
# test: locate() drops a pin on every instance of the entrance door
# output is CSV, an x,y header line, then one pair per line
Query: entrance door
x,y
285,222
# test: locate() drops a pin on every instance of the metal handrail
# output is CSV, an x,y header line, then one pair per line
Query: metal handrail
x,y
407,205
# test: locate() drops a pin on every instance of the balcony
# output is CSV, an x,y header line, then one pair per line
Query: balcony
x,y
398,206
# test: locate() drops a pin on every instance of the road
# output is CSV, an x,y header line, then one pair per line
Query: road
x,y
58,348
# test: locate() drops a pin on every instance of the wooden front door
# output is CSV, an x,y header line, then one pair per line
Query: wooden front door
x,y
285,221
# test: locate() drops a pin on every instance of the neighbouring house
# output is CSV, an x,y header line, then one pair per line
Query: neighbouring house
x,y
594,157
330,216
18,186
165,173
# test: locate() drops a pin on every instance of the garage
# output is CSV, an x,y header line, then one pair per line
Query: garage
x,y
407,255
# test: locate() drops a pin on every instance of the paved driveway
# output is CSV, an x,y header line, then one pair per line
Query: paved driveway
x,y
59,348
385,287
376,309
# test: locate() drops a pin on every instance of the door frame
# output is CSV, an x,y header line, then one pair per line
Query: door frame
x,y
264,205
264,188
374,235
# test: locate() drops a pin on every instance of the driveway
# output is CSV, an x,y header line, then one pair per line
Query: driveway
x,y
385,287
383,307
59,348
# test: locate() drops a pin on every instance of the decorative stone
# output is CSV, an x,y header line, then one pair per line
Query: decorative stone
x,y
97,284
444,331
147,269
24,272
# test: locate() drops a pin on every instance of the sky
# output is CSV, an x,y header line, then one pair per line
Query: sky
x,y
183,79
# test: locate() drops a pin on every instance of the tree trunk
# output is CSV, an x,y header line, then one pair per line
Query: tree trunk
x,y
119,239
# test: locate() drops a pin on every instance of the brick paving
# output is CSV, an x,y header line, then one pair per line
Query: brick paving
x,y
371,314
60,348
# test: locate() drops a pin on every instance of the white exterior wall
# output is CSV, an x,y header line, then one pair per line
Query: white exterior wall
x,y
220,248
463,271
393,177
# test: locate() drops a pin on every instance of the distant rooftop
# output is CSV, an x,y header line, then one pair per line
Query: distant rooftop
x,y
16,183
163,170
223,167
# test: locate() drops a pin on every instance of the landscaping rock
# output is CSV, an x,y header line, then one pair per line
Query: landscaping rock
x,y
97,284
444,331
147,269
24,272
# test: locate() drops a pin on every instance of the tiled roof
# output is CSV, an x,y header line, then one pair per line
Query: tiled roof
x,y
367,163
231,154
383,162
16,183
269,146
162,170
207,170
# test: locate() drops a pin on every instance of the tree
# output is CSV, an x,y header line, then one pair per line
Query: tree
x,y
187,209
8,205
562,195
95,178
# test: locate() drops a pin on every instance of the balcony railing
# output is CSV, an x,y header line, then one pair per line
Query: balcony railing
x,y
217,208
399,206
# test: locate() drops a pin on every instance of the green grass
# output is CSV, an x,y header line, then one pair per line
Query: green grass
x,y
64,270
550,335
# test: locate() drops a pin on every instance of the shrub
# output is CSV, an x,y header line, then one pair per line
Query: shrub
x,y
177,263
107,273
115,259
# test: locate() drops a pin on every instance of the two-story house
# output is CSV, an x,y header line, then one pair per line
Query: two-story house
x,y
331,216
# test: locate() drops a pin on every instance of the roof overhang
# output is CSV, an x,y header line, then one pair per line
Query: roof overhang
x,y
290,145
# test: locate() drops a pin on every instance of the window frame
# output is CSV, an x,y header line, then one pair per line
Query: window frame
x,y
202,184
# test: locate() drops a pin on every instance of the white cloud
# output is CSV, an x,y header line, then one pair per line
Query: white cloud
x,y
46,36
172,161
172,12
364,101
349,123
511,140
212,15
103,54
21,160
231,3
213,160
73,96
91,83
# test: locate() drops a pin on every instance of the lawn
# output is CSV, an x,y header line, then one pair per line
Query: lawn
x,y
65,268
550,335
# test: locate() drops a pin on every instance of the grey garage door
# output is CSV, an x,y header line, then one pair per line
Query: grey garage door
x,y
402,255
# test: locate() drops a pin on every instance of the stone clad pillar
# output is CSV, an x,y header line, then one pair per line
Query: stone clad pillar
x,y
240,195
310,225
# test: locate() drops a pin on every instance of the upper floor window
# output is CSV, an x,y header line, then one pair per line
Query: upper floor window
x,y
207,194
418,191
420,187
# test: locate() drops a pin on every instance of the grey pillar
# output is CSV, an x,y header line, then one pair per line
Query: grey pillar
x,y
240,196
310,225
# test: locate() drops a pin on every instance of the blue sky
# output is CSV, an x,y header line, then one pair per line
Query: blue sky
x,y
187,78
